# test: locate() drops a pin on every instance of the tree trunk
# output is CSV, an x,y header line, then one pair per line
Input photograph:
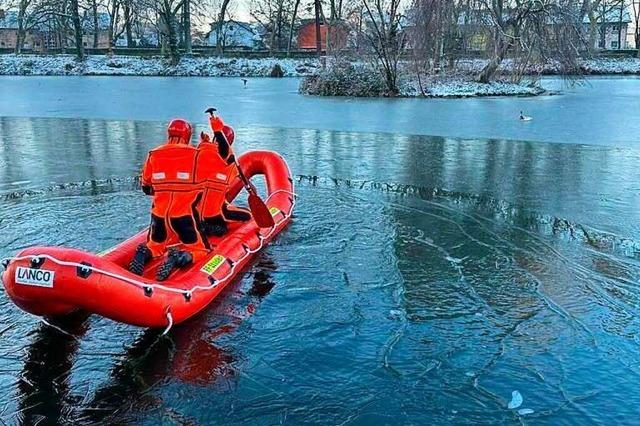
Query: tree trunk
x,y
94,11
291,25
187,26
220,27
489,71
318,34
77,29
620,26
21,33
276,27
593,31
127,23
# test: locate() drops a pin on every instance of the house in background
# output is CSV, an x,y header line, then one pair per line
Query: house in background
x,y
88,30
337,40
612,23
236,35
34,40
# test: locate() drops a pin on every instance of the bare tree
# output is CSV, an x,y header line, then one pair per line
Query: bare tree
x,y
186,25
537,30
635,6
292,23
273,15
383,33
220,26
31,15
77,28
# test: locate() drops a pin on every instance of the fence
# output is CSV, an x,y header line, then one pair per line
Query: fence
x,y
196,51
201,51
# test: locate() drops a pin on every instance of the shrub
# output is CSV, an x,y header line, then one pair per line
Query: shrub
x,y
344,79
276,71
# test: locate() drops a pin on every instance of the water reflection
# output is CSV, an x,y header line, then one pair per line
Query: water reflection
x,y
189,354
594,186
43,388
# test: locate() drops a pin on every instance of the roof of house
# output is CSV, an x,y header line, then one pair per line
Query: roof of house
x,y
245,25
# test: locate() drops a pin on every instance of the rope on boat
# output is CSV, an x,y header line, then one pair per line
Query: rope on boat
x,y
170,320
149,287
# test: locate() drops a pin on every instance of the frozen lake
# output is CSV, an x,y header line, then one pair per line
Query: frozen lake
x,y
602,111
424,279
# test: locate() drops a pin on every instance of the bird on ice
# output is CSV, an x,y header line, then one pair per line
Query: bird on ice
x,y
524,117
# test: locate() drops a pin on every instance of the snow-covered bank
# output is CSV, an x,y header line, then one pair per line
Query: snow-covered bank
x,y
242,67
457,87
596,66
360,80
60,65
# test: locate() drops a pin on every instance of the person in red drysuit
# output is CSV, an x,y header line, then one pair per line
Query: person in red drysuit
x,y
168,175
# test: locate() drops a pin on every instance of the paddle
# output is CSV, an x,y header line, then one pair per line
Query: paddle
x,y
259,209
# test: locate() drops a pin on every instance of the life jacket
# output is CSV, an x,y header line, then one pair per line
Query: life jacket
x,y
170,172
171,167
215,174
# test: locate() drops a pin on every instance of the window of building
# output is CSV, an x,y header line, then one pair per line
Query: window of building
x,y
2,43
601,44
614,44
614,28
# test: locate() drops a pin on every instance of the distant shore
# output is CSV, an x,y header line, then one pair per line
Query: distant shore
x,y
456,84
103,65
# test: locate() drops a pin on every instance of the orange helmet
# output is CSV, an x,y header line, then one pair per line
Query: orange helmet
x,y
180,129
229,133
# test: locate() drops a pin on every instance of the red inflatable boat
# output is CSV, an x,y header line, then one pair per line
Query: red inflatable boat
x,y
50,281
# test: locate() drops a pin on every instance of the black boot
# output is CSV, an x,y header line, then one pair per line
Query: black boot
x,y
175,259
214,227
140,259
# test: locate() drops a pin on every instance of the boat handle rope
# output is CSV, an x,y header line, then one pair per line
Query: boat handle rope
x,y
169,323
149,287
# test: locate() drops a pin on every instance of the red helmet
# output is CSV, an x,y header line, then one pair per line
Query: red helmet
x,y
229,133
180,129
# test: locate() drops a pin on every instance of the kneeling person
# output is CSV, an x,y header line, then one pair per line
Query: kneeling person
x,y
169,176
216,170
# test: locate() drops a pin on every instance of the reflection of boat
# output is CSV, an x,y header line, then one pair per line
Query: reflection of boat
x,y
54,281
190,354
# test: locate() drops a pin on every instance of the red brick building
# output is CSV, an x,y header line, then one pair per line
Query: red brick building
x,y
40,39
306,33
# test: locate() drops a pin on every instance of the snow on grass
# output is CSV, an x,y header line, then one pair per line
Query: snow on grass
x,y
152,66
459,87
596,66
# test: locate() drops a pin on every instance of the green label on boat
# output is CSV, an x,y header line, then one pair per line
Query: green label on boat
x,y
274,211
211,266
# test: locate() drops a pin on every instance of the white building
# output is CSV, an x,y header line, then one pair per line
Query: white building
x,y
612,23
236,35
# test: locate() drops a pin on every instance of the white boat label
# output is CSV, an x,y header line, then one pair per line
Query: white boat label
x,y
35,277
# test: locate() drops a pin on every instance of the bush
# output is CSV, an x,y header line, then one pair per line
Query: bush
x,y
345,79
277,71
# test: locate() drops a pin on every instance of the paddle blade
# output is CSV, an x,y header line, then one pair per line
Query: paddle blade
x,y
260,212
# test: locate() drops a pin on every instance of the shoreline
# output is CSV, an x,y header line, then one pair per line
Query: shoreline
x,y
459,84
